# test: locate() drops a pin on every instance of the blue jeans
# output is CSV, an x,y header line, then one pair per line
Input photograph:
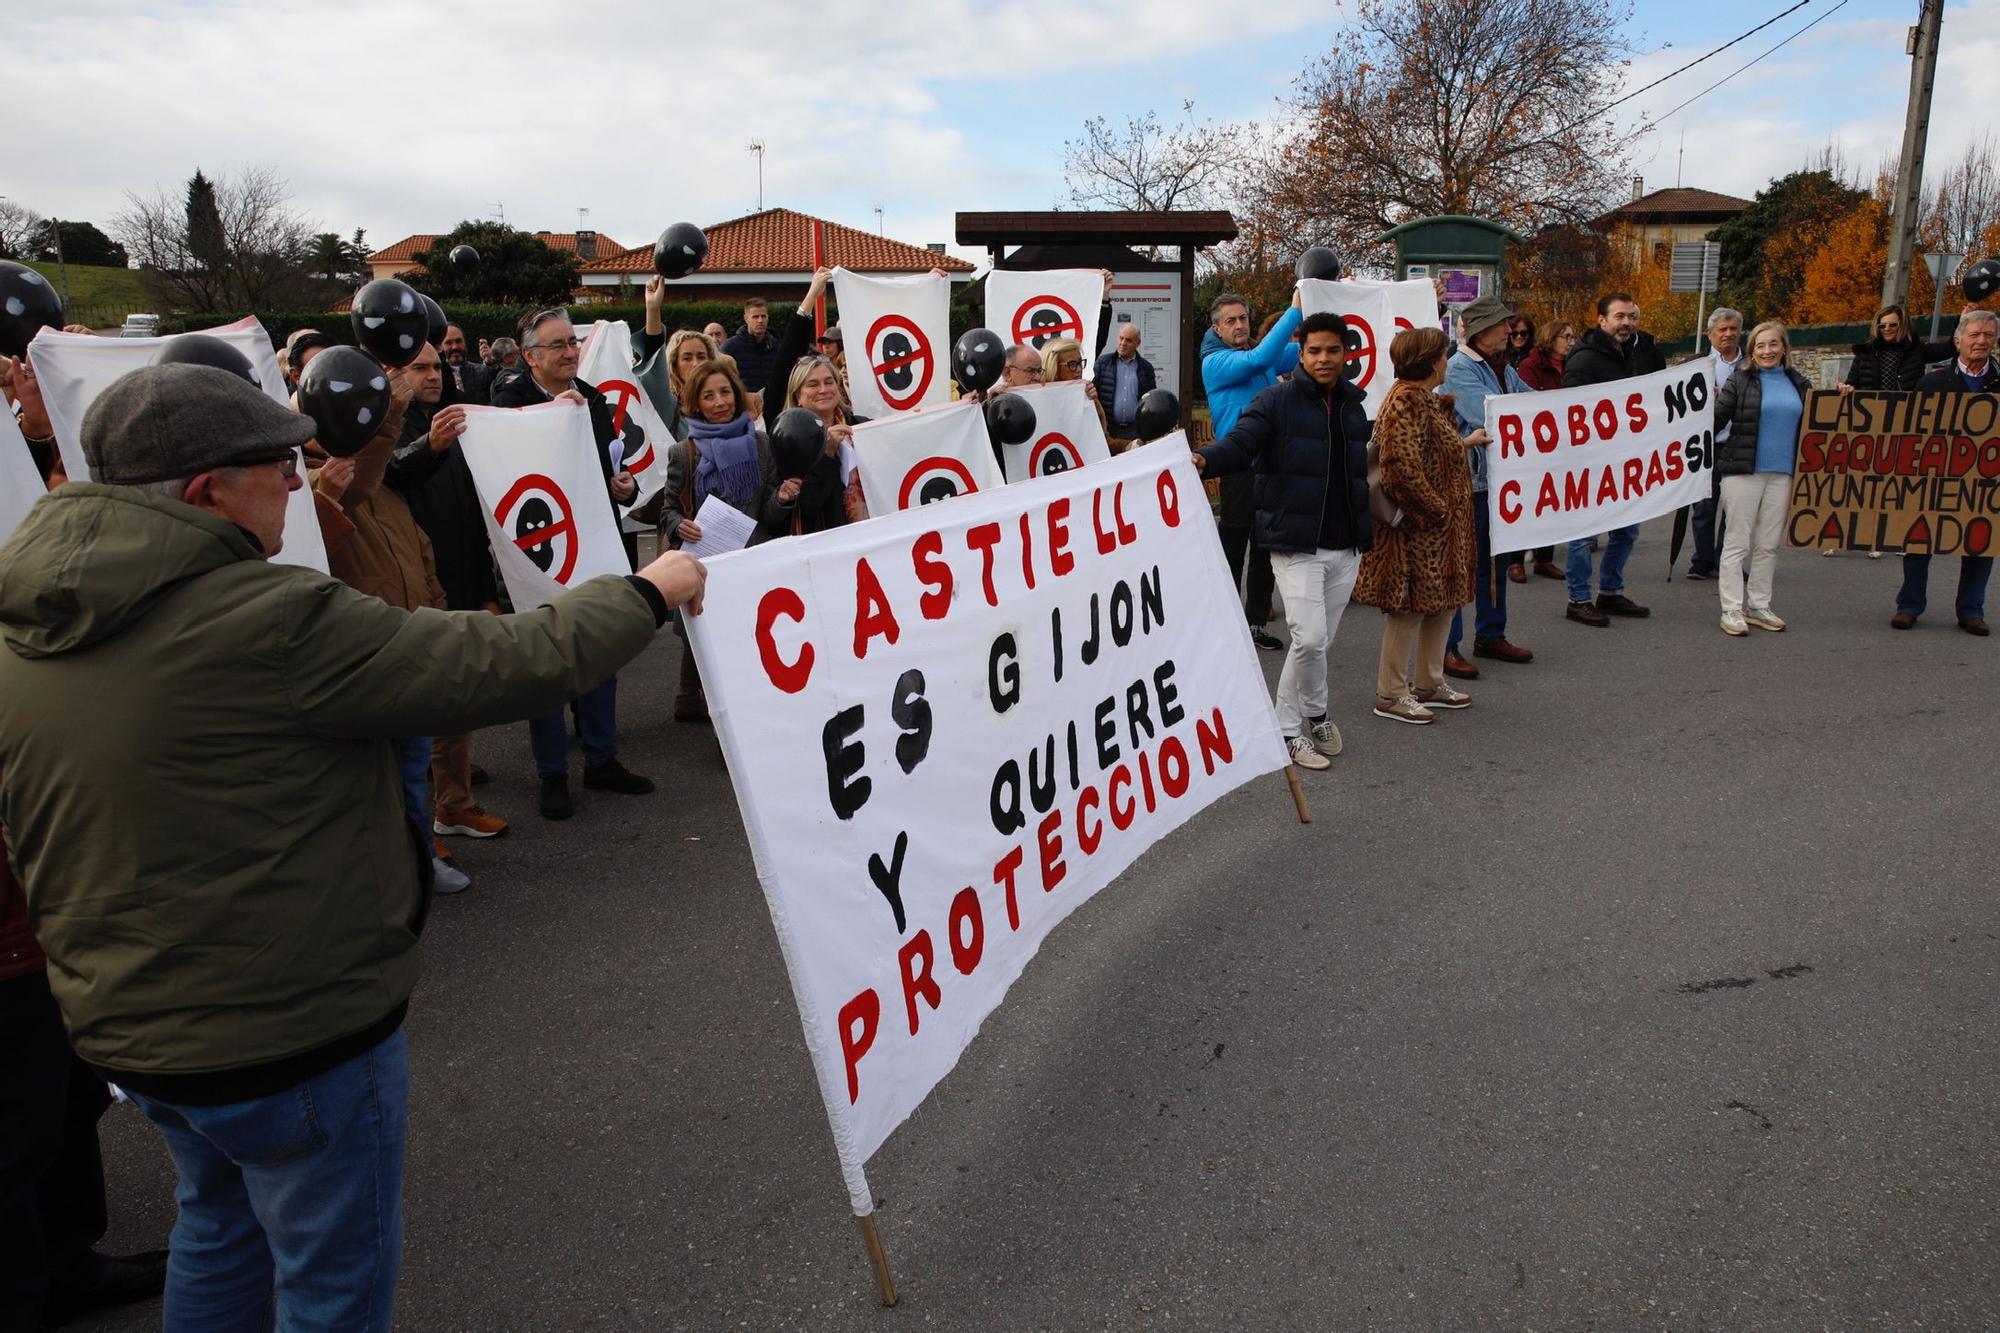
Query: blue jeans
x,y
1973,571
1489,584
415,756
596,723
295,1198
1610,573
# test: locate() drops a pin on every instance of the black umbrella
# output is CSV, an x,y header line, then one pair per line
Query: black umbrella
x,y
1680,536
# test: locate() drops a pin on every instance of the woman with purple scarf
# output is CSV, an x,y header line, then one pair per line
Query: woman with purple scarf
x,y
724,455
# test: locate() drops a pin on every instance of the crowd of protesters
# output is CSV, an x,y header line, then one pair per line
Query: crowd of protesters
x,y
258,1023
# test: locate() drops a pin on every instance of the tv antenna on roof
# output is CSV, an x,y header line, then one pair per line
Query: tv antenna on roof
x,y
757,147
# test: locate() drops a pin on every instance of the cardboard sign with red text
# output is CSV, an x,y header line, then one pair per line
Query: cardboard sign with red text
x,y
949,727
606,362
1037,306
1068,433
1911,472
1375,312
1573,463
75,367
548,518
920,458
897,336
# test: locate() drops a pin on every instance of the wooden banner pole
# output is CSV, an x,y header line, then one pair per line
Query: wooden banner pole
x,y
878,1259
1298,794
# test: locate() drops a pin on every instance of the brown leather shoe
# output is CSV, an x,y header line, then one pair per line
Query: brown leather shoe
x,y
1618,604
1586,613
1454,665
1549,570
1517,573
1501,650
1902,620
1975,625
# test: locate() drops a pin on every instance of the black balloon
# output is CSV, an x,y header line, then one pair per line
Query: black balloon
x,y
1982,280
679,251
346,393
1159,414
1010,418
464,256
798,440
205,349
389,320
977,359
1319,262
27,306
434,321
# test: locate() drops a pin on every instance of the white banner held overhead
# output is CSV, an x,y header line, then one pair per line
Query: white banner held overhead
x,y
897,336
948,728
1037,306
20,482
1574,463
1375,312
606,363
73,368
1068,433
920,458
548,518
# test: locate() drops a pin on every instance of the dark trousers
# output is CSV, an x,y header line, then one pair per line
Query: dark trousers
x,y
1543,555
51,1174
1706,553
1239,546
1489,585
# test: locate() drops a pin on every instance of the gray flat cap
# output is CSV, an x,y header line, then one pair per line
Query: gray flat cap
x,y
164,422
1483,314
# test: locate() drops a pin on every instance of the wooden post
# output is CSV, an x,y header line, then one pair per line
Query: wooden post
x,y
1298,794
878,1259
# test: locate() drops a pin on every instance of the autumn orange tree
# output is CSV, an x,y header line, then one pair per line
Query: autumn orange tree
x,y
1428,107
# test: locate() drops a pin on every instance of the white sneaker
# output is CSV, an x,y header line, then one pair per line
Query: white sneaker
x,y
1829,553
1325,737
1406,709
1444,696
448,878
1732,623
1874,555
1304,754
1763,618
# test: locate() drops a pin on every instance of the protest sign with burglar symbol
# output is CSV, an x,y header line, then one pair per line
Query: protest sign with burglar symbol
x,y
1068,433
1051,454
1375,313
1035,307
606,361
548,517
901,358
923,457
1042,318
896,328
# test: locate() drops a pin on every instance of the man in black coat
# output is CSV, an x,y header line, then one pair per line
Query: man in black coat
x,y
1306,440
551,350
754,346
1615,350
1973,370
1122,380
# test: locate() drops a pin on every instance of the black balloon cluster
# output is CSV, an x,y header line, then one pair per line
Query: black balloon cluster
x,y
390,321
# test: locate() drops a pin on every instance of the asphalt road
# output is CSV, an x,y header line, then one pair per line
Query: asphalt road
x,y
1658,989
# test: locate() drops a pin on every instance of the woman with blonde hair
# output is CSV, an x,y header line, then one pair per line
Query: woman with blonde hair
x,y
1763,405
1062,360
1420,567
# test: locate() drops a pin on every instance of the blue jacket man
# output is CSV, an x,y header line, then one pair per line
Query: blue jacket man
x,y
1232,373
1480,368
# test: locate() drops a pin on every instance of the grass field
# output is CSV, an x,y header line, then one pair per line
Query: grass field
x,y
99,297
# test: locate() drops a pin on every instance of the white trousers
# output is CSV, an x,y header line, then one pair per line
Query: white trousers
x,y
1314,586
1756,506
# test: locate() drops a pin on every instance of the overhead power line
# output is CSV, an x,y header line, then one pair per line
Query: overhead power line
x,y
1732,74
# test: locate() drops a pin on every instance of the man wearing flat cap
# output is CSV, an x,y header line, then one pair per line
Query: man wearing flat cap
x,y
1477,369
203,801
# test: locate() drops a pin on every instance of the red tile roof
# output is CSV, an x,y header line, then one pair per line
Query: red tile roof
x,y
780,240
410,248
1678,202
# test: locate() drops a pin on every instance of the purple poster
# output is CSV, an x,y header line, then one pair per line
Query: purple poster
x,y
1461,286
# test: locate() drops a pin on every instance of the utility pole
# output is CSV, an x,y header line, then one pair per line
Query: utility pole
x,y
62,269
1923,49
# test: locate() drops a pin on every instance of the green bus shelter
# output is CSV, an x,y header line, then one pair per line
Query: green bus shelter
x,y
1467,255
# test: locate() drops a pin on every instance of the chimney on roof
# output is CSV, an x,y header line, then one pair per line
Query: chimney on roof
x,y
586,245
935,247
1638,188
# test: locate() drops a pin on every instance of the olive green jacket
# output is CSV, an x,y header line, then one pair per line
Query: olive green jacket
x,y
200,782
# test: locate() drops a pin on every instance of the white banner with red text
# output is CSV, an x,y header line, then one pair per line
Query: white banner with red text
x,y
73,368
949,727
606,363
548,516
1375,313
1575,463
896,333
1036,307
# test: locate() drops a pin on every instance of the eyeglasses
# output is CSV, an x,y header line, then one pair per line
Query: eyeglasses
x,y
571,341
1076,364
1034,372
288,463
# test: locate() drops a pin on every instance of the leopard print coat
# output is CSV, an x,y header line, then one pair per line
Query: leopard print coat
x,y
1425,563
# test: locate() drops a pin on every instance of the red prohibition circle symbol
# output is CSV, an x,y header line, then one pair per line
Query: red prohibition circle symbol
x,y
1053,454
621,394
900,356
1040,318
933,479
1360,340
537,518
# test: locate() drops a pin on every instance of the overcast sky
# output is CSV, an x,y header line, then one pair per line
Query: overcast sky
x,y
404,118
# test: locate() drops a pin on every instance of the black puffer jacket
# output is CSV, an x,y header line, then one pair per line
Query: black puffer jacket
x,y
1738,407
1598,359
1309,450
1887,365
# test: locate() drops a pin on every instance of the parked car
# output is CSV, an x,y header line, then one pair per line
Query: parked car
x,y
140,326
